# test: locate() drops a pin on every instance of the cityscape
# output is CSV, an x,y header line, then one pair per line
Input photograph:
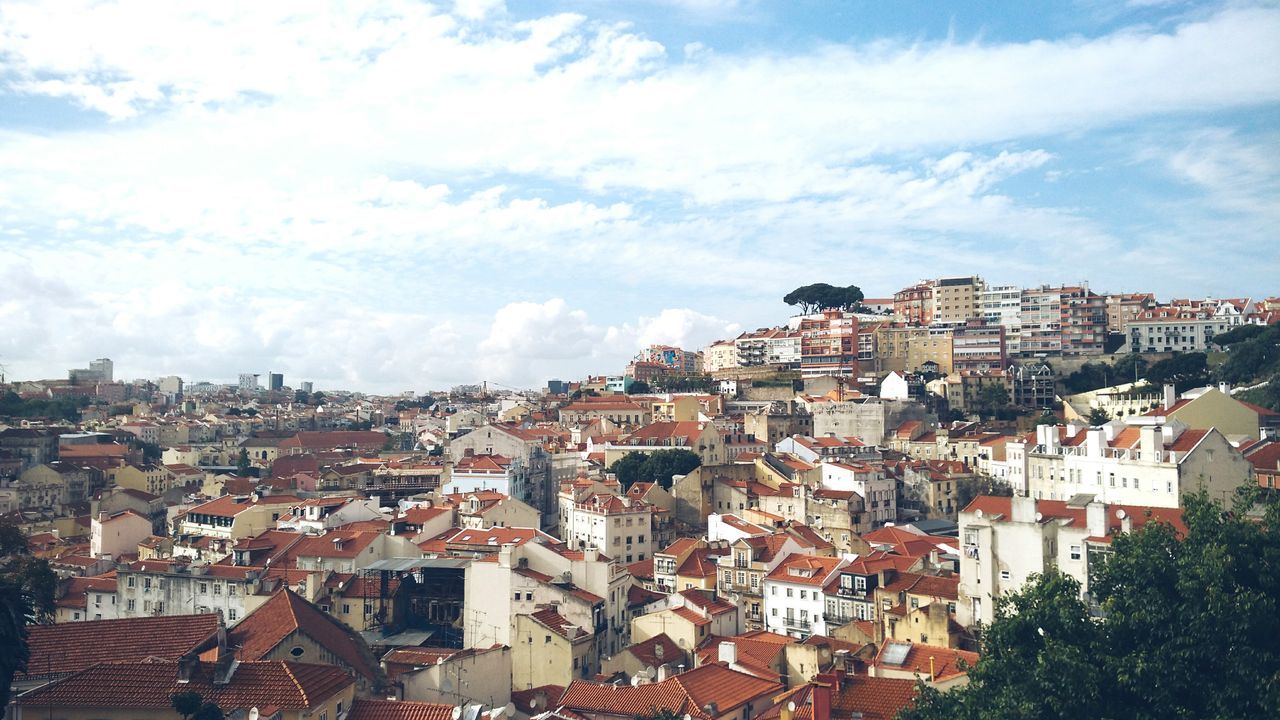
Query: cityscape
x,y
650,360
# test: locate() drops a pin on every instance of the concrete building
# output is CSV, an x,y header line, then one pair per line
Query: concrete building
x,y
793,595
957,299
116,534
1002,305
1006,540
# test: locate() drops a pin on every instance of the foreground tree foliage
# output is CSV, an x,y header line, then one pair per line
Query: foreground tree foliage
x,y
1190,631
27,586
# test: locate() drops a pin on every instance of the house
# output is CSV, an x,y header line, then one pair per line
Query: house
x,y
86,598
232,517
617,525
347,551
446,675
147,588
793,599
1207,408
115,534
710,692
556,651
743,569
843,695
487,508
936,666
145,689
287,627
58,651
657,657
316,515
702,438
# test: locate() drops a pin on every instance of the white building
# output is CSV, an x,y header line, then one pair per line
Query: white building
x,y
1151,465
116,534
620,527
793,595
1006,540
879,494
318,515
1181,328
164,587
1002,305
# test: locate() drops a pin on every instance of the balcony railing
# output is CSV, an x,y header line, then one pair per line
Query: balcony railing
x,y
797,623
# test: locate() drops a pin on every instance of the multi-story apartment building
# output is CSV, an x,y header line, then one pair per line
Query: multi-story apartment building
x,y
933,346
1031,384
978,345
720,355
1152,465
620,527
1002,305
780,347
868,480
829,344
893,345
1041,321
1179,328
1123,307
1006,540
163,587
232,517
1084,321
684,362
742,573
957,299
914,305
794,603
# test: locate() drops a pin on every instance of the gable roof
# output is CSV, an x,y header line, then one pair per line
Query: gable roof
x,y
71,647
262,630
151,684
363,709
687,692
920,658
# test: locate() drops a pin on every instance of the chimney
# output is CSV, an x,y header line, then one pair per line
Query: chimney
x,y
1150,442
1093,442
728,653
313,586
1224,388
1074,428
504,555
1126,521
821,699
1022,509
187,665
1170,396
1096,516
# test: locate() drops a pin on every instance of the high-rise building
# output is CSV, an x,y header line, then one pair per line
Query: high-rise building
x,y
829,344
275,381
248,382
307,387
99,371
170,386
105,369
957,299
1002,305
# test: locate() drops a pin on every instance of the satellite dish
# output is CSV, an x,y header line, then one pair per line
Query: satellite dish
x,y
1121,514
791,705
253,713
1039,517
456,713
978,512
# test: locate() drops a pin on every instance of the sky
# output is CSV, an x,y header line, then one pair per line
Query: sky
x,y
395,195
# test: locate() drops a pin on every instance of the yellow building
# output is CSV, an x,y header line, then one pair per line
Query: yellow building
x,y
1208,407
932,346
154,479
549,650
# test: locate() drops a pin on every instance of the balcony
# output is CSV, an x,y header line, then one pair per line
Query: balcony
x,y
796,623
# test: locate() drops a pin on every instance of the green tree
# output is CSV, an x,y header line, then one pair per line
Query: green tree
x,y
656,713
27,586
243,466
301,396
969,488
1184,370
1184,627
317,398
1237,334
822,296
660,466
628,468
1252,358
992,397
639,387
1098,416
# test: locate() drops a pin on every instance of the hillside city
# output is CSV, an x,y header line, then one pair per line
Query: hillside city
x,y
830,517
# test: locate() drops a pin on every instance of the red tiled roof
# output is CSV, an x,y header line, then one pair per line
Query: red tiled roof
x,y
262,630
815,569
77,589
656,650
70,647
687,692
1078,516
558,624
945,661
151,685
230,506
362,709
335,544
527,701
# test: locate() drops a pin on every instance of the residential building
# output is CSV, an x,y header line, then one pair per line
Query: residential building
x,y
148,588
720,355
793,598
1177,328
618,526
932,350
1006,540
938,666
86,598
1002,305
1083,323
956,299
232,517
829,344
914,305
744,568
1122,308
678,361
979,346
709,692
703,438
115,534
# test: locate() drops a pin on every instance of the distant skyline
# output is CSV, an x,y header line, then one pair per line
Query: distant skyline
x,y
406,195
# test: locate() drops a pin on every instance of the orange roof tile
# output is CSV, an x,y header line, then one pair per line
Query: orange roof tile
x,y
70,647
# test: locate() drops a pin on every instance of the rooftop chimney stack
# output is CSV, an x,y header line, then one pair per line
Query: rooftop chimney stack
x,y
1170,395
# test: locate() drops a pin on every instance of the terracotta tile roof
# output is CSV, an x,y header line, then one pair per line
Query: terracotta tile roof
x,y
642,569
335,544
419,655
262,630
701,562
78,588
656,650
150,685
637,595
1000,508
692,616
71,647
536,699
801,569
362,709
930,585
558,624
687,692
681,546
945,661
230,506
707,602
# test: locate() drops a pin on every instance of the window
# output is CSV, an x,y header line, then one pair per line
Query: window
x,y
790,593
517,597
773,590
146,583
755,581
231,589
528,596
915,603
204,588
217,588
231,614
742,577
860,583
130,605
1004,574
129,582
346,608
773,612
1075,552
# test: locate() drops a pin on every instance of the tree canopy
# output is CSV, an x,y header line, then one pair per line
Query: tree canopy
x,y
1188,630
821,296
657,467
27,586
192,706
1184,370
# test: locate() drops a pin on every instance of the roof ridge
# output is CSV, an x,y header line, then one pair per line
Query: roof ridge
x,y
289,671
